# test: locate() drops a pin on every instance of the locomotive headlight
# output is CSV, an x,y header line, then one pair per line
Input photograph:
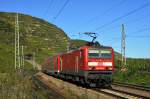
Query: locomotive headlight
x,y
107,63
92,63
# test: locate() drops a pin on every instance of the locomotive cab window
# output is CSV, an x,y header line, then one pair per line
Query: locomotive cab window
x,y
93,54
105,53
99,53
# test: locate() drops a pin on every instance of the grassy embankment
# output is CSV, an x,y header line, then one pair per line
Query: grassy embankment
x,y
16,84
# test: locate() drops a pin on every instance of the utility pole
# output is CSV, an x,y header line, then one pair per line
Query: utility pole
x,y
22,56
123,47
33,61
17,45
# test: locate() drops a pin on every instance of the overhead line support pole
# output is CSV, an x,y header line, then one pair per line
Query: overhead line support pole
x,y
123,46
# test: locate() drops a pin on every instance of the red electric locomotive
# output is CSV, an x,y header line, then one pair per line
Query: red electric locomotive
x,y
89,65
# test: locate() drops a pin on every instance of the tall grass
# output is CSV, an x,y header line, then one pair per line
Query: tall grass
x,y
18,84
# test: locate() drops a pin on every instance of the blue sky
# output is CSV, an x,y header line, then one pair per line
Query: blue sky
x,y
101,16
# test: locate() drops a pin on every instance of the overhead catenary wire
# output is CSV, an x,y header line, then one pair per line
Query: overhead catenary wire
x,y
141,30
60,11
135,32
106,11
48,8
138,36
116,38
123,16
132,21
138,31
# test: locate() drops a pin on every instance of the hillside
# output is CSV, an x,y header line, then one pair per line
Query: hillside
x,y
77,43
36,35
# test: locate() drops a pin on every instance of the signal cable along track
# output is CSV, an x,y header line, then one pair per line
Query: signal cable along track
x,y
132,89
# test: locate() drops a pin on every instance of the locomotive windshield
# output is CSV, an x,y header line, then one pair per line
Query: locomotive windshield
x,y
101,53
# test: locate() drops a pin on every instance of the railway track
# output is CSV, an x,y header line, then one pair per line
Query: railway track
x,y
116,94
131,89
126,91
120,94
118,90
132,86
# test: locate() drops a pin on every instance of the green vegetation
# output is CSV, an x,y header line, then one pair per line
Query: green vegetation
x,y
77,43
19,85
137,71
37,36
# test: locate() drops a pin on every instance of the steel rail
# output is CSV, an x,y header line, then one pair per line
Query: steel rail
x,y
132,89
140,87
116,96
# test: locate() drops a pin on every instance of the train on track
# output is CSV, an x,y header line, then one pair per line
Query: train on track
x,y
91,65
